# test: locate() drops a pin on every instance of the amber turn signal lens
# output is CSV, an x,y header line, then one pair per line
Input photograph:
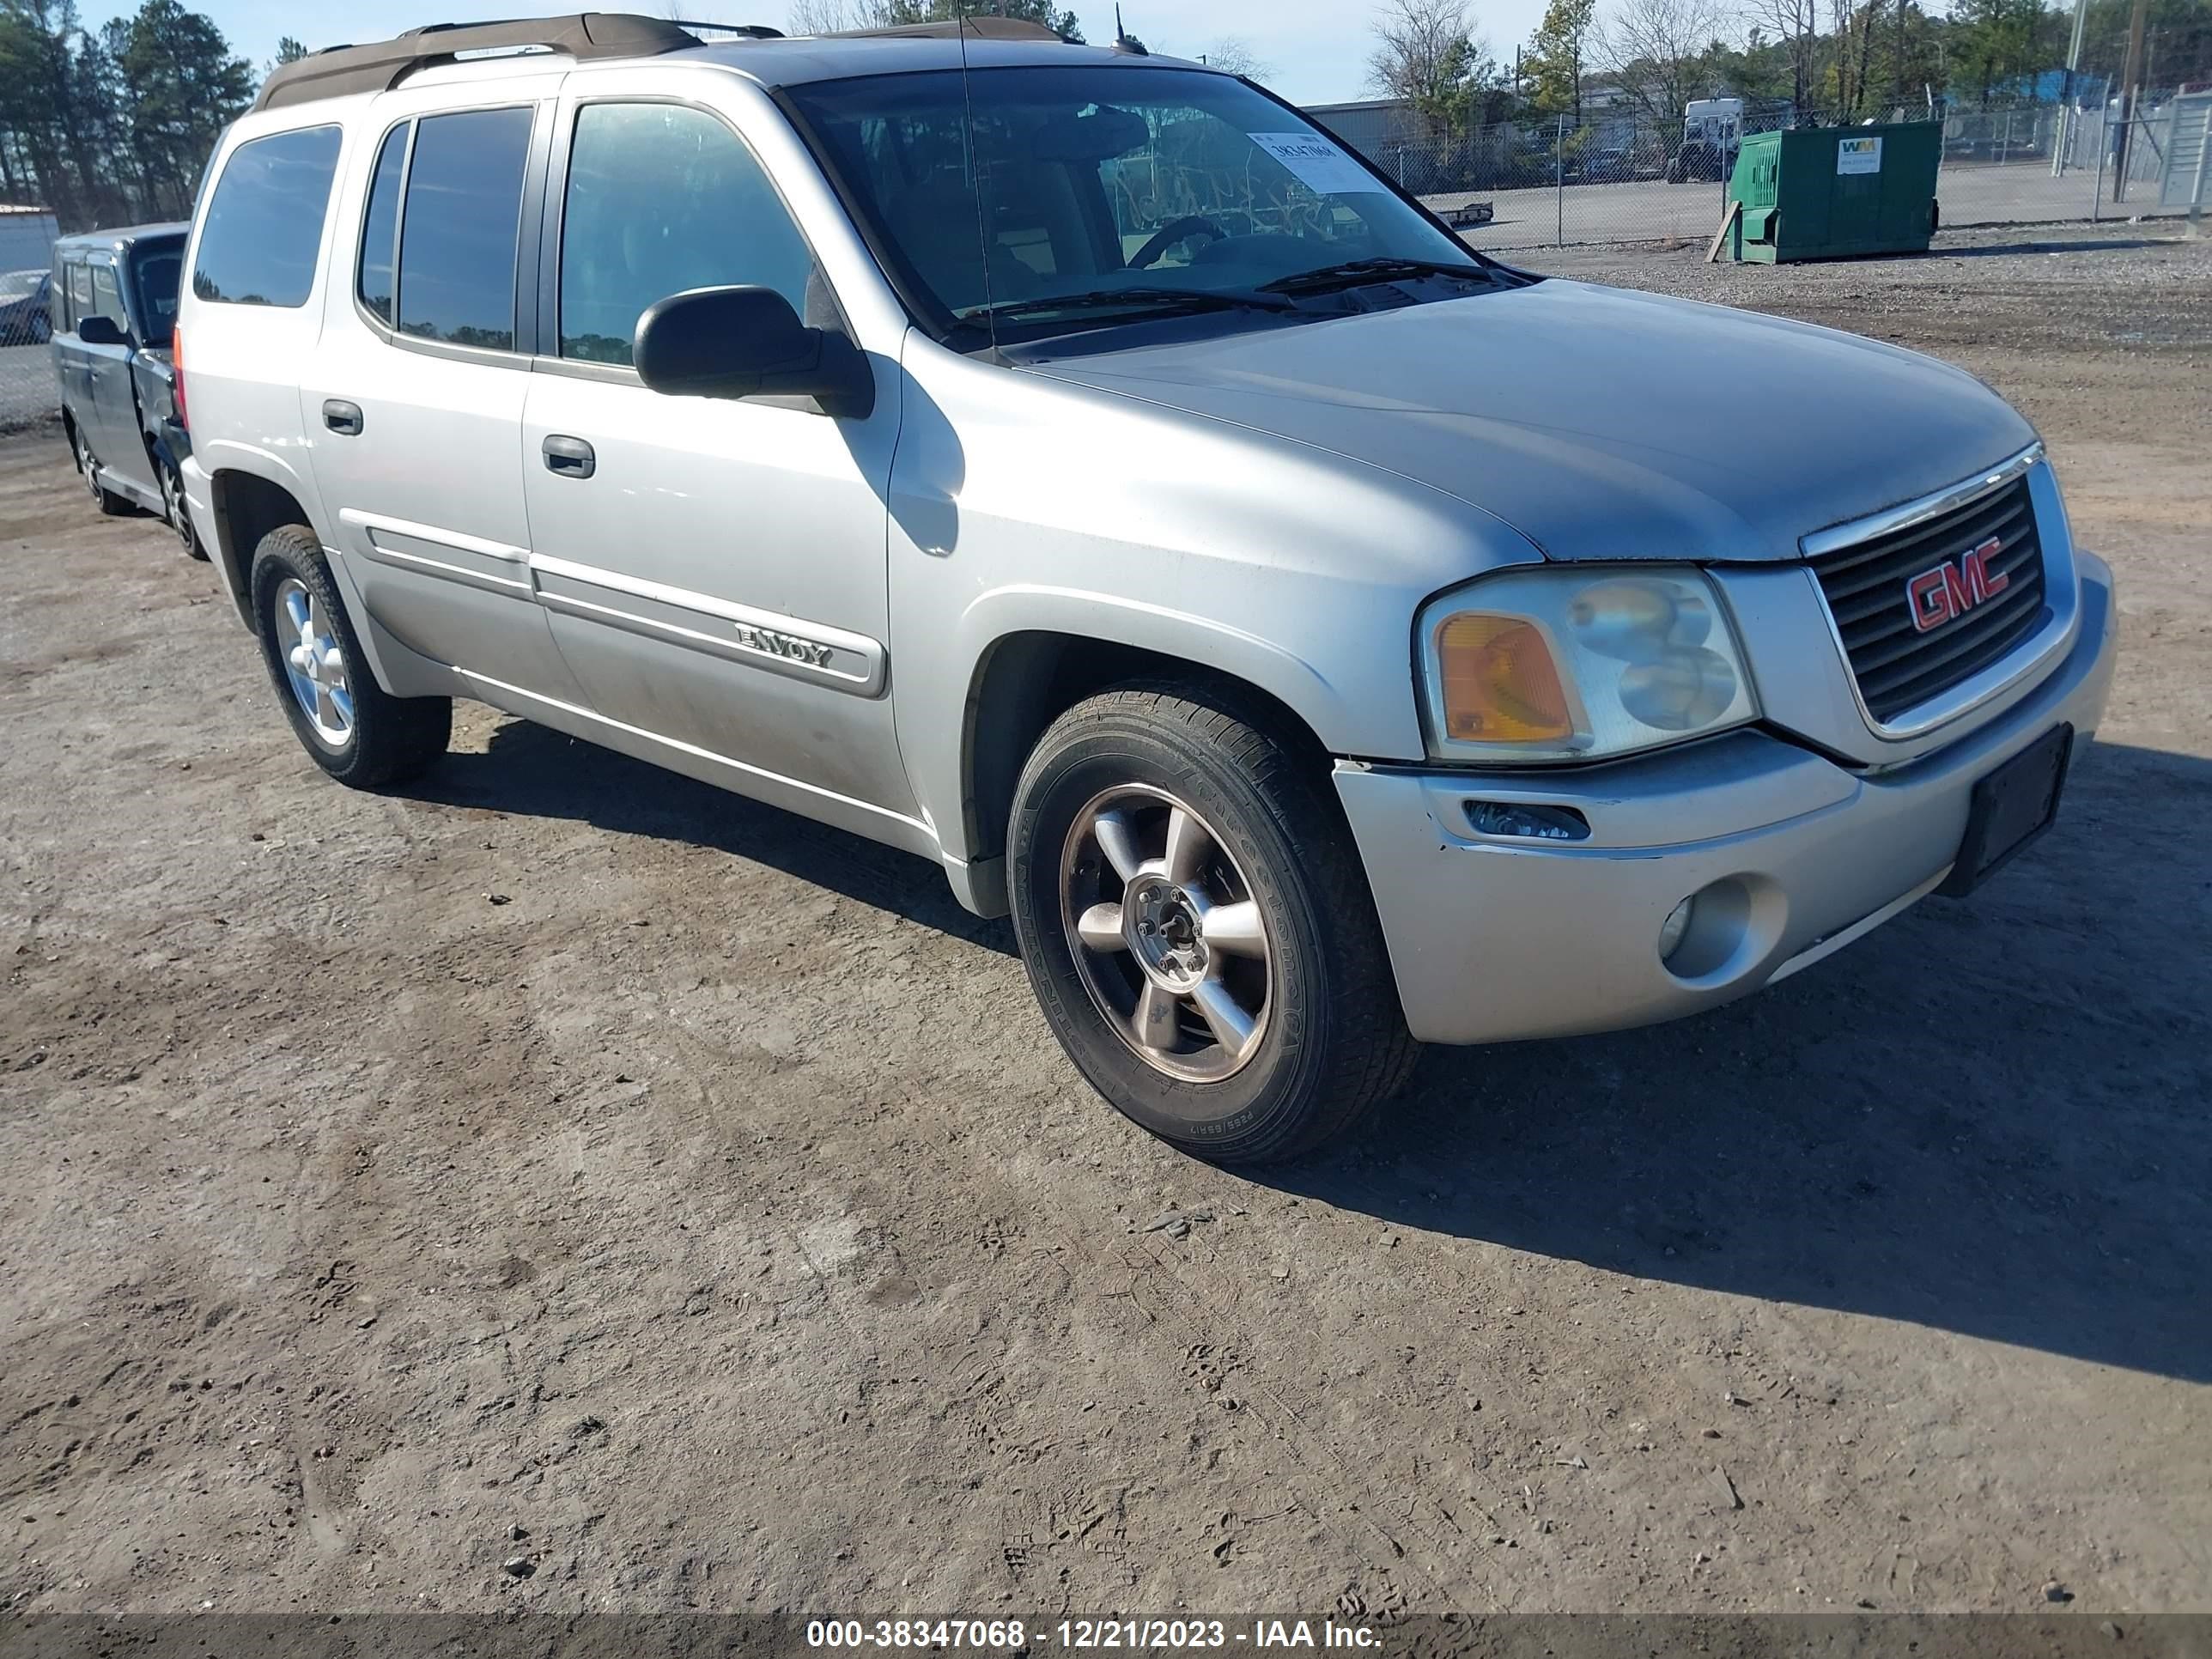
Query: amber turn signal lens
x,y
1500,683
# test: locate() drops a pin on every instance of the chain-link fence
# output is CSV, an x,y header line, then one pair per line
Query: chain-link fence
x,y
28,392
1551,182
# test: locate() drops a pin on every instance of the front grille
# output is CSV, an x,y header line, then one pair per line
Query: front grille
x,y
1897,668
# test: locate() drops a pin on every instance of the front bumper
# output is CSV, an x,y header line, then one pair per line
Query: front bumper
x,y
1494,938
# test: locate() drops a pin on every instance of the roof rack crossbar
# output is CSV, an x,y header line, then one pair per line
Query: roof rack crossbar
x,y
985,27
750,31
380,65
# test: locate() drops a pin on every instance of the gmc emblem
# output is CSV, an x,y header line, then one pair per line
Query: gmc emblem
x,y
1950,591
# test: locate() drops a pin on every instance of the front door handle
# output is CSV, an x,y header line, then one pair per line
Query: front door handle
x,y
572,457
342,416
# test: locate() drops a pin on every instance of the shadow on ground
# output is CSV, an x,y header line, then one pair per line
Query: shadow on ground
x,y
1989,1117
2107,246
536,771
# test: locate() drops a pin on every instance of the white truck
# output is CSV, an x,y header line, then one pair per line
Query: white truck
x,y
1712,128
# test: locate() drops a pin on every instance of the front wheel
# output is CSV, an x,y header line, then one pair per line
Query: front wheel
x,y
1197,927
352,727
88,467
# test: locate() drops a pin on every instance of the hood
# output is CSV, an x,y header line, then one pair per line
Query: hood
x,y
1599,422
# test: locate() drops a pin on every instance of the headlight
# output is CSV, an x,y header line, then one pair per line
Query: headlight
x,y
1548,663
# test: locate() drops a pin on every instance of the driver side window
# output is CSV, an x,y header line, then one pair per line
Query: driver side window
x,y
662,198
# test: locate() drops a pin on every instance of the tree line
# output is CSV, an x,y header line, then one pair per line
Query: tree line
x,y
1837,60
111,125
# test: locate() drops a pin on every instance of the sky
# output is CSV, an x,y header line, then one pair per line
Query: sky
x,y
1314,51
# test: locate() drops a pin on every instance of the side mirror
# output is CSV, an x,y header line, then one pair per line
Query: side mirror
x,y
748,342
99,330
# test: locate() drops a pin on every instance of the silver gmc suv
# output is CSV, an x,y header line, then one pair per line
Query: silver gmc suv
x,y
1075,467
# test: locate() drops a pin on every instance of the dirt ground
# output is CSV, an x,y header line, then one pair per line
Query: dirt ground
x,y
560,1146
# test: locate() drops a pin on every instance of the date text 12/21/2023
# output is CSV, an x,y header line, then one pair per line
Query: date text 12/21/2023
x,y
1013,1635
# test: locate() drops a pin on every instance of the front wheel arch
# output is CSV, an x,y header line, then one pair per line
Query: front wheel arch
x,y
1027,679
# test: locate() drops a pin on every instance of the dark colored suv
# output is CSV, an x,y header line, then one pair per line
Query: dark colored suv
x,y
114,310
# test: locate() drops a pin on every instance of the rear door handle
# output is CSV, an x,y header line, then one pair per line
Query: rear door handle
x,y
340,415
572,457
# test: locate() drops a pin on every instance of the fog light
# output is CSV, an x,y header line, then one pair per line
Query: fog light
x,y
1514,818
1676,924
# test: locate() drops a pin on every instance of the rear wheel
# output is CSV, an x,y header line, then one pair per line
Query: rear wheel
x,y
1197,927
353,729
177,513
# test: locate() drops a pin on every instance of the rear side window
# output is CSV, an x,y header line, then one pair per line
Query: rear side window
x,y
458,233
80,294
264,224
662,199
379,230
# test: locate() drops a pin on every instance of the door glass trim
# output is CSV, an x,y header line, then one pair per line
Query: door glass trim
x,y
576,368
534,157
556,227
398,221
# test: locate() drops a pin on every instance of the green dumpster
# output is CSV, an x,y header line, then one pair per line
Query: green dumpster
x,y
1834,192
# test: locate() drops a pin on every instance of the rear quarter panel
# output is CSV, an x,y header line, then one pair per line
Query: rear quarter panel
x,y
242,362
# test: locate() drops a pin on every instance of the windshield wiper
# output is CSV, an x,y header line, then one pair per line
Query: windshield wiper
x,y
1353,272
1136,299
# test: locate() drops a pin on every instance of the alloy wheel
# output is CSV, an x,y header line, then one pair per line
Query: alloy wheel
x,y
1166,933
314,662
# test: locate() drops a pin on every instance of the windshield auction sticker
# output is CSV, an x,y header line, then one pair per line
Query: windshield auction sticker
x,y
1315,162
1858,156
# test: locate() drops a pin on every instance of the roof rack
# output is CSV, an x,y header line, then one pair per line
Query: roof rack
x,y
985,28
377,67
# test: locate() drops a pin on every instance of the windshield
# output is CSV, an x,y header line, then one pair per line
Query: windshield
x,y
156,275
1104,179
19,284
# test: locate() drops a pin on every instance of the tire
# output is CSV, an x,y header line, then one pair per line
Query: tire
x,y
178,516
1269,909
355,729
105,499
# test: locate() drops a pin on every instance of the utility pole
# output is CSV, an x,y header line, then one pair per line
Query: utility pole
x,y
1899,87
2131,95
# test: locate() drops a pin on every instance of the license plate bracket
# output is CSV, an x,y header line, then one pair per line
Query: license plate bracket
x,y
2010,808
